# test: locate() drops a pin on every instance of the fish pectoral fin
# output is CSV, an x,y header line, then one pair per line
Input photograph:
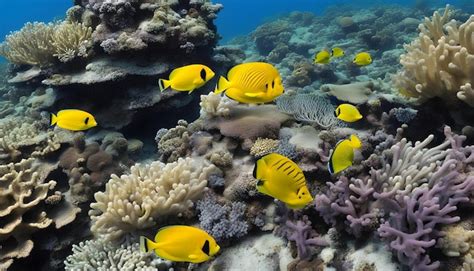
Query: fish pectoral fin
x,y
197,81
254,95
262,189
192,256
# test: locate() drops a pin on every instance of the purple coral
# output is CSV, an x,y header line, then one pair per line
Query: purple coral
x,y
349,201
412,227
298,228
222,220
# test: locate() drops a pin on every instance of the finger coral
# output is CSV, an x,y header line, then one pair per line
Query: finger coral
x,y
149,193
440,62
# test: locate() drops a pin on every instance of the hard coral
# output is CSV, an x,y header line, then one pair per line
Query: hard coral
x,y
440,62
147,195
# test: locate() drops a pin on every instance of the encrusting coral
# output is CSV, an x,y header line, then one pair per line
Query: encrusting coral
x,y
147,195
440,62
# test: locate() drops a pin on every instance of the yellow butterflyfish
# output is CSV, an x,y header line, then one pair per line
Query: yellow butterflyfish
x,y
281,178
252,83
347,113
322,57
181,243
187,78
342,156
362,59
73,120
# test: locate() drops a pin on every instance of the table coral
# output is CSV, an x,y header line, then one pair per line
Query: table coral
x,y
147,195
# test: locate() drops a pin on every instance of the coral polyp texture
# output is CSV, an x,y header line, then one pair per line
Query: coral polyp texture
x,y
148,195
440,62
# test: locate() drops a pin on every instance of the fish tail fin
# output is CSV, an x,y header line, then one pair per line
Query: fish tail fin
x,y
355,142
54,119
164,84
146,244
222,85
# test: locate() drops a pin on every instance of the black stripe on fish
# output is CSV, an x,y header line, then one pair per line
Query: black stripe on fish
x,y
205,248
203,74
86,121
274,165
254,173
337,112
286,162
291,171
260,182
162,84
290,166
266,86
273,84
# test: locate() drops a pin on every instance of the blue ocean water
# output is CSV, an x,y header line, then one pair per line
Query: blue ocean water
x,y
237,18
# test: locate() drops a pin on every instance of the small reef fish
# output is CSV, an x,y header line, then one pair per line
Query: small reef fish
x,y
251,83
281,178
187,78
181,243
73,120
362,59
322,57
343,155
347,113
337,52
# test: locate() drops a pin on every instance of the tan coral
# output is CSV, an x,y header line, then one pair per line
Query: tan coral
x,y
214,105
24,190
149,193
440,62
71,39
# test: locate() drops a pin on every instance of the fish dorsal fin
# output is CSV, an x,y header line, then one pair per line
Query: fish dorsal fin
x,y
205,248
203,74
355,142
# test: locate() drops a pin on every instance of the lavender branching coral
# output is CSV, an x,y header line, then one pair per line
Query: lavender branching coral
x,y
415,192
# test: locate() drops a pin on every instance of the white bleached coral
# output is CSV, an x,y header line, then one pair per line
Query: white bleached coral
x,y
101,255
150,192
440,62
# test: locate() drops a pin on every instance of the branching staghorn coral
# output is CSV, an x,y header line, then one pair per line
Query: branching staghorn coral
x,y
148,194
40,44
101,255
71,39
440,62
31,45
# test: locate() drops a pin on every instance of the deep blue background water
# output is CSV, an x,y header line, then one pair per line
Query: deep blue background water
x,y
238,17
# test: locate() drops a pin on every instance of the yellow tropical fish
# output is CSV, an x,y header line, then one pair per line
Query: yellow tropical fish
x,y
322,57
337,52
343,155
181,244
362,59
73,119
281,178
252,83
187,78
347,113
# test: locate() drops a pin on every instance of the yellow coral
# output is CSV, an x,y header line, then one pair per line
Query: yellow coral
x,y
263,146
